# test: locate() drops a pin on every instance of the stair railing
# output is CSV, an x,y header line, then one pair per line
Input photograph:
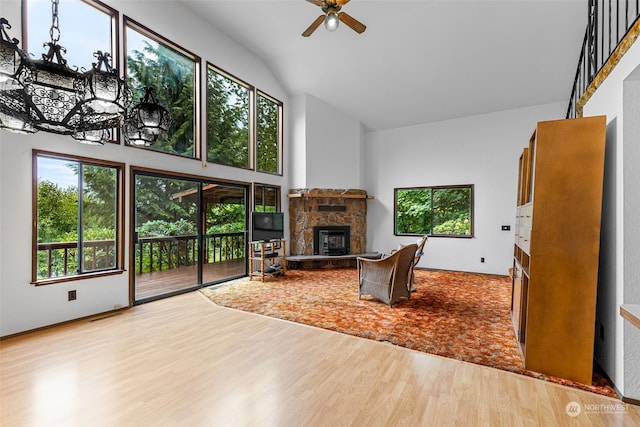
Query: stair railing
x,y
612,26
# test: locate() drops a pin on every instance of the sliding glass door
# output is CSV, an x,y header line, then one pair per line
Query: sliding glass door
x,y
224,238
186,233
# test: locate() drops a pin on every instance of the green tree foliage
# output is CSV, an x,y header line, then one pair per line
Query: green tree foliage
x,y
171,75
225,218
161,228
227,121
413,211
155,200
267,135
99,197
57,213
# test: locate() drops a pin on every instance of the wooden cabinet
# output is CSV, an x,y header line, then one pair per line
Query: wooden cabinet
x,y
557,239
267,259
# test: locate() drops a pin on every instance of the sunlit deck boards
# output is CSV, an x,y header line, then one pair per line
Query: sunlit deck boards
x,y
148,285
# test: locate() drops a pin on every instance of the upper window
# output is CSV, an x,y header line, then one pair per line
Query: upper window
x,y
269,134
171,71
266,198
84,28
77,225
436,211
228,119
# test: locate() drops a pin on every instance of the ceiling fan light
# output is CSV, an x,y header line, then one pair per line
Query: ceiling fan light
x,y
331,21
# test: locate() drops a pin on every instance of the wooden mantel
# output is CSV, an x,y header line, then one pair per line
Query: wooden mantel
x,y
631,312
329,196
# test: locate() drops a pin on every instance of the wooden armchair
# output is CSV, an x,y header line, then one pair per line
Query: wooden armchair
x,y
419,251
389,278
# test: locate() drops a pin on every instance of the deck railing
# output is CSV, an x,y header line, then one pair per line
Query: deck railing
x,y
163,253
608,23
61,259
151,253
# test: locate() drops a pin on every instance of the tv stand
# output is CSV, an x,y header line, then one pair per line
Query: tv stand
x,y
267,258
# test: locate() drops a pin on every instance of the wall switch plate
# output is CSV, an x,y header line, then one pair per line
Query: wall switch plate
x,y
482,259
72,295
506,227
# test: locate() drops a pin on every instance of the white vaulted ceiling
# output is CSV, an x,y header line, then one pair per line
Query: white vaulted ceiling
x,y
418,61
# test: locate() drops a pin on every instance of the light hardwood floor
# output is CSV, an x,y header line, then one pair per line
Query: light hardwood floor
x,y
183,361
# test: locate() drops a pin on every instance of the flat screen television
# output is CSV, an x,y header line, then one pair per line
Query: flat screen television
x,y
267,226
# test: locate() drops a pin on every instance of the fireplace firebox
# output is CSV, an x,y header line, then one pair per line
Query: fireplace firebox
x,y
332,240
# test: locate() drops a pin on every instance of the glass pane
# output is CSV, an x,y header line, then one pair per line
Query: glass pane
x,y
413,211
266,199
57,218
99,219
224,232
228,134
83,30
452,211
268,135
172,76
166,247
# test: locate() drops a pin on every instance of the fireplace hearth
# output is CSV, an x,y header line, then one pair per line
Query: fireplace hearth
x,y
331,240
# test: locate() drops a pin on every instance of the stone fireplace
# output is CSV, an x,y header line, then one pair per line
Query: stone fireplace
x,y
342,214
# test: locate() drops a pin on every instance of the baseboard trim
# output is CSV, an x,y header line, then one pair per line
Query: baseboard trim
x,y
90,318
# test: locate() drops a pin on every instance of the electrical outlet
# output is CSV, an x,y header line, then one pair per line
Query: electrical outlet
x,y
72,295
482,259
506,227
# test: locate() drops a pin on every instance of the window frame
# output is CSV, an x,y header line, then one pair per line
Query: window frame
x,y
129,23
259,187
280,142
432,188
251,145
119,217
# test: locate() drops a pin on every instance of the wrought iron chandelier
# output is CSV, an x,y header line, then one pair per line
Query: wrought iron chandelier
x,y
48,95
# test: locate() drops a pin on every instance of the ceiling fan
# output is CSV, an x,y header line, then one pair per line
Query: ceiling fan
x,y
332,16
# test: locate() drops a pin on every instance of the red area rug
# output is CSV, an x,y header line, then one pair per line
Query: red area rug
x,y
463,316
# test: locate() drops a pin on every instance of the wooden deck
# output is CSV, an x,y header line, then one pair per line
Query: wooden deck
x,y
149,285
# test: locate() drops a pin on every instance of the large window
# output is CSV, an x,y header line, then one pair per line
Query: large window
x,y
77,225
436,211
228,119
269,134
172,73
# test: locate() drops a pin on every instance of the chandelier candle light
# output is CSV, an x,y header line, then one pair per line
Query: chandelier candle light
x,y
48,95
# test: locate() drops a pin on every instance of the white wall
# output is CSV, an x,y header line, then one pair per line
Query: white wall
x,y
298,152
619,269
24,306
329,153
480,150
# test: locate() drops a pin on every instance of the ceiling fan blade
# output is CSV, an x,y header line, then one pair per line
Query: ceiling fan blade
x,y
341,2
352,22
319,20
316,2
